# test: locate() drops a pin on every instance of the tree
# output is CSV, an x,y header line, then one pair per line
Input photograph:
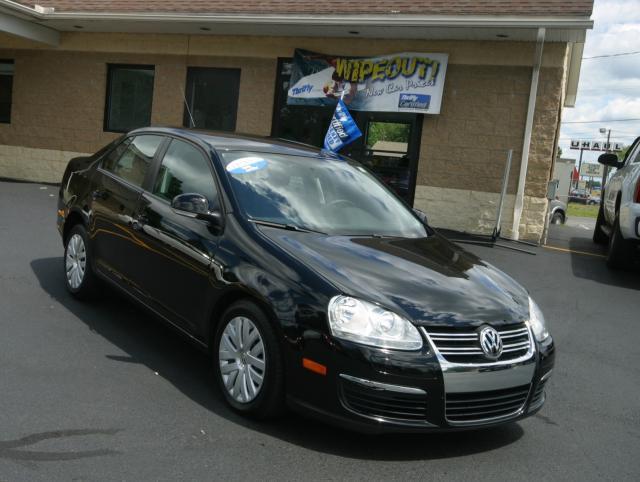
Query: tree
x,y
387,131
559,152
623,152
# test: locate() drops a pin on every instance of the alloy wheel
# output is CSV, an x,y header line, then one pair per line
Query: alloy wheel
x,y
242,359
75,261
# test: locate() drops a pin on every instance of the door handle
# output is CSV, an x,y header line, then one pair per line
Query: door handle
x,y
99,194
138,222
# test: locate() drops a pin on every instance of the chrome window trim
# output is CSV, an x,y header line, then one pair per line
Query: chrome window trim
x,y
384,386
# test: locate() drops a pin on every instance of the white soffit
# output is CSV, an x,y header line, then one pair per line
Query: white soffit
x,y
343,29
20,27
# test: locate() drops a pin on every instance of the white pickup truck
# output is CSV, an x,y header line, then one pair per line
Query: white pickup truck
x,y
618,221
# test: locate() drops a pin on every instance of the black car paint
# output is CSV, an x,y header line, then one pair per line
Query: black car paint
x,y
169,262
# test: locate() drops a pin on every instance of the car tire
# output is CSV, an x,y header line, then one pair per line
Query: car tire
x,y
248,362
620,250
80,278
557,218
599,237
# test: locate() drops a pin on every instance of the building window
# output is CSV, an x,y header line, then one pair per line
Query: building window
x,y
300,123
6,90
212,98
129,97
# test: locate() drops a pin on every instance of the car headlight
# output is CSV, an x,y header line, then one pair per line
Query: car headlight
x,y
366,323
536,320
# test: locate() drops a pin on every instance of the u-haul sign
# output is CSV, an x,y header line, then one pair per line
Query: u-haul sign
x,y
596,145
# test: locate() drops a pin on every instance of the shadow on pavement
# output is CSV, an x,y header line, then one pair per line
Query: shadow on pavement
x,y
595,269
147,341
588,258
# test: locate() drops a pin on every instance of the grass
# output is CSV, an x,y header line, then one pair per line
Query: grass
x,y
582,211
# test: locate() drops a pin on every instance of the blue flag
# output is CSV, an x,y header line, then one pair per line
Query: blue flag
x,y
342,130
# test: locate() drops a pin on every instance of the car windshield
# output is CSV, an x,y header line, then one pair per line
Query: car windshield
x,y
332,196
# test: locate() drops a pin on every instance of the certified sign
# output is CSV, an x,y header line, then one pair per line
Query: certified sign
x,y
591,170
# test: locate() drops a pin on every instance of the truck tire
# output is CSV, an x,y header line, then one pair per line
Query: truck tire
x,y
598,234
620,252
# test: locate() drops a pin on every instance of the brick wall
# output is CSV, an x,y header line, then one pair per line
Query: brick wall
x,y
59,99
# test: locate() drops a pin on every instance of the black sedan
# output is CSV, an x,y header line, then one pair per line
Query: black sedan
x,y
309,282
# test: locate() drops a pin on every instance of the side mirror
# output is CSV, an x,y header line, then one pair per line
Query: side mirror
x,y
421,216
609,159
196,206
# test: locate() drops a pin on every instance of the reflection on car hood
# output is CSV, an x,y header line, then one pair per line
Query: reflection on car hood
x,y
430,280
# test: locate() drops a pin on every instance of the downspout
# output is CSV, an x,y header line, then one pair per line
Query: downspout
x,y
524,164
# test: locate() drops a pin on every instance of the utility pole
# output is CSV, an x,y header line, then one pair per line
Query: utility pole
x,y
605,171
579,168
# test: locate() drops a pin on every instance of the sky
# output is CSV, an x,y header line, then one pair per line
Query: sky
x,y
609,88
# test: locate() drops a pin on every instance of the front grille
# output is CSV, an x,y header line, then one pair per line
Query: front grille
x,y
484,406
377,403
463,345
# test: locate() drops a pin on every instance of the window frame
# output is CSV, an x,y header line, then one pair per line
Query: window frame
x,y
157,163
634,153
107,100
12,62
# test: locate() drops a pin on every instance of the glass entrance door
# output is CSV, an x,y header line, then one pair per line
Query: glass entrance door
x,y
389,146
390,142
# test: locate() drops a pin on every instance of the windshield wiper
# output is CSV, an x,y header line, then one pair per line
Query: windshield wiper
x,y
288,227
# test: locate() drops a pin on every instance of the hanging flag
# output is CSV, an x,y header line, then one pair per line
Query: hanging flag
x,y
342,131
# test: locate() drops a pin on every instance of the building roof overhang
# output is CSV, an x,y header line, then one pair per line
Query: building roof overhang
x,y
44,24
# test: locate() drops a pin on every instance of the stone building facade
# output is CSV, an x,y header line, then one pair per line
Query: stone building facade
x,y
58,108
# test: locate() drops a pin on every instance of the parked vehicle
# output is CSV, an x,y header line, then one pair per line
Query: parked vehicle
x,y
593,200
557,212
578,196
618,222
308,281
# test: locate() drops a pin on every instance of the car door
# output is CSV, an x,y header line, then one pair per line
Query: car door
x,y
174,267
119,183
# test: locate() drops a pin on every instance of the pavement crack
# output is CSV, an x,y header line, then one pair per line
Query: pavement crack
x,y
14,449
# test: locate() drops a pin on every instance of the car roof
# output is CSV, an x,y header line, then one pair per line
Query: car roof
x,y
225,141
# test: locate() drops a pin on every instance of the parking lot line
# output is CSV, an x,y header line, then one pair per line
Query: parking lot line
x,y
573,251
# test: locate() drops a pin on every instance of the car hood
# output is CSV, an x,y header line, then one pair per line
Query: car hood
x,y
430,280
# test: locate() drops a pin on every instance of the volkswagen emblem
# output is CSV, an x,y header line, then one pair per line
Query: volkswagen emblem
x,y
491,343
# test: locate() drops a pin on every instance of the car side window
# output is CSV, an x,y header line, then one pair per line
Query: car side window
x,y
635,156
109,161
185,169
131,159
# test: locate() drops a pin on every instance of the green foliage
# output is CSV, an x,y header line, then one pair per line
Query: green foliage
x,y
582,210
623,152
387,131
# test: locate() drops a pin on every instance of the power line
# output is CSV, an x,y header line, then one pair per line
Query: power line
x,y
580,138
604,121
611,89
611,55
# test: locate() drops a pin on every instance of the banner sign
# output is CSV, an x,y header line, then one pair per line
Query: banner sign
x,y
405,82
596,145
342,131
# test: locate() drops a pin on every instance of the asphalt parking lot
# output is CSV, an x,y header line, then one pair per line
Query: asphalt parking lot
x,y
102,391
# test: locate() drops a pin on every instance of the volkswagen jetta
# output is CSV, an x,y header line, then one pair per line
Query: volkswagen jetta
x,y
307,280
